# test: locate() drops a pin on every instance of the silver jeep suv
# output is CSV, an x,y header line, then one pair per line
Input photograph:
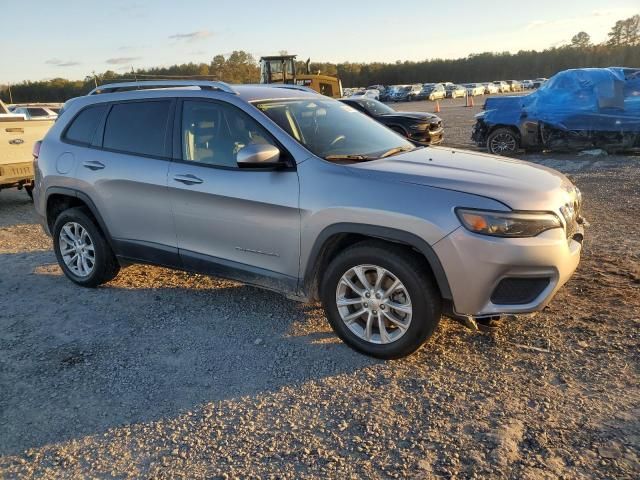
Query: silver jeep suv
x,y
282,188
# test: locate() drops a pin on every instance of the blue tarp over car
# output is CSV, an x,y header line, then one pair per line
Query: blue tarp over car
x,y
591,103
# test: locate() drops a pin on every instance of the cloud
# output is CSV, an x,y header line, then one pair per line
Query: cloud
x,y
121,60
591,17
61,63
191,36
535,24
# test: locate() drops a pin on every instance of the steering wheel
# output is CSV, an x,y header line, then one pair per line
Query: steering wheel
x,y
338,139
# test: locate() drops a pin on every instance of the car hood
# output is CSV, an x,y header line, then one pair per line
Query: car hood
x,y
415,115
519,185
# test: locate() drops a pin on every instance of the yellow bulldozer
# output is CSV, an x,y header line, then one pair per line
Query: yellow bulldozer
x,y
282,69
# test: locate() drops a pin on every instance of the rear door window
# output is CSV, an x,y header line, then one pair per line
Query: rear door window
x,y
138,127
84,126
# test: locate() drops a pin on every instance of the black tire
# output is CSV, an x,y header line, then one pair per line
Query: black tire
x,y
106,265
509,146
405,265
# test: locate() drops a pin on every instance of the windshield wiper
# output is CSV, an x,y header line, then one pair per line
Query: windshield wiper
x,y
347,157
396,150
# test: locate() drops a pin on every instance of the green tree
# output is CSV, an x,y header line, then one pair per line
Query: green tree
x,y
581,40
631,31
625,32
241,67
615,34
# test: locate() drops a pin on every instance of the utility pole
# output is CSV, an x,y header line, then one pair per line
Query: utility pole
x,y
135,78
95,79
10,95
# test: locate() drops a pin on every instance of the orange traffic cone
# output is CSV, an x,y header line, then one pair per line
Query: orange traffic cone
x,y
437,109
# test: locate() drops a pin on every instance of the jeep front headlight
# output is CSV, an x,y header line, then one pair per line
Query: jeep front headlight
x,y
507,224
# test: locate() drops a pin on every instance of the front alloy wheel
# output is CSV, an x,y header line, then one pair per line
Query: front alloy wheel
x,y
502,141
380,299
374,304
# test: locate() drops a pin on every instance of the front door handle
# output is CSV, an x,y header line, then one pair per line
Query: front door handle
x,y
188,179
93,165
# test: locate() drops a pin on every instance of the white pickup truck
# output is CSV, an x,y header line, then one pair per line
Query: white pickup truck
x,y
17,138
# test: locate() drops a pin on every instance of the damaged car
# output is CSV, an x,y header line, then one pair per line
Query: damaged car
x,y
574,110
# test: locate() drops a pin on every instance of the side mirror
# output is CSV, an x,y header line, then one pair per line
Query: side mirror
x,y
259,156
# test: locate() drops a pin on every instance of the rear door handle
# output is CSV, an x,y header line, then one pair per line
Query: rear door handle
x,y
188,179
93,165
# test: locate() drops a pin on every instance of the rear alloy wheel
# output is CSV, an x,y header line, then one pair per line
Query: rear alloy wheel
x,y
77,249
379,301
503,141
82,250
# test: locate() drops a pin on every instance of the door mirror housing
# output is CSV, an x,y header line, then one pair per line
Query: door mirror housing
x,y
259,156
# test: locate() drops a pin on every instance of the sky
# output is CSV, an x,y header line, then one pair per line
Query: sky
x,y
42,39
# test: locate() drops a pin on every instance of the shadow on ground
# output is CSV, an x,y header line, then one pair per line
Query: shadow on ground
x,y
77,361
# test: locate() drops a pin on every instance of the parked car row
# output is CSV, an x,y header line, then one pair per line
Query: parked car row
x,y
418,91
533,84
455,91
437,91
474,89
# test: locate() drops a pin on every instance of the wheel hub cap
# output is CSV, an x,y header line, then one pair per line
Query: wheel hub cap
x,y
77,249
374,304
503,143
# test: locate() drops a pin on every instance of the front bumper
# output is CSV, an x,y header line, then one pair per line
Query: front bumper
x,y
428,137
479,133
475,266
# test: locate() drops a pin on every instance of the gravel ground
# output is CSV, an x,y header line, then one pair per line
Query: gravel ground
x,y
163,374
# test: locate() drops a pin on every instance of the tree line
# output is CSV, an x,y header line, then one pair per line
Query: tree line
x,y
621,49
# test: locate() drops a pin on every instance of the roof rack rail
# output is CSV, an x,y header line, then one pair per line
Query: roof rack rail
x,y
302,88
146,84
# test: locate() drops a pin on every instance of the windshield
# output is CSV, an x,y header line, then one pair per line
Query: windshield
x,y
333,130
376,108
